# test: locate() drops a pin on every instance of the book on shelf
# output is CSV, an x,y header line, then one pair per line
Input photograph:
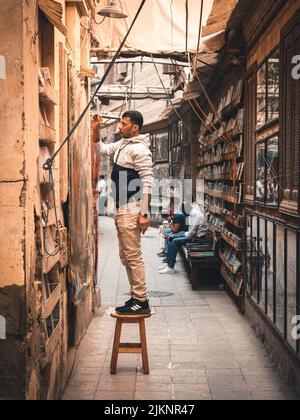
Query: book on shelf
x,y
240,171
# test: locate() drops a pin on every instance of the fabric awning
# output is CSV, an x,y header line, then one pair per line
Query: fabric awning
x,y
54,13
136,92
159,30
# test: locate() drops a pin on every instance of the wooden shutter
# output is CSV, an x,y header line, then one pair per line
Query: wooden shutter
x,y
290,118
53,10
250,126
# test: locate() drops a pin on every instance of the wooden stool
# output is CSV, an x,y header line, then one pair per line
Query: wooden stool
x,y
133,348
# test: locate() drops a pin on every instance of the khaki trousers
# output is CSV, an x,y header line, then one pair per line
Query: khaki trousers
x,y
130,248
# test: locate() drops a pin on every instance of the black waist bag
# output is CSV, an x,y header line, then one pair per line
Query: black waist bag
x,y
126,184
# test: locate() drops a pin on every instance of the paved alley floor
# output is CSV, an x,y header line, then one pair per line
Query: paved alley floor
x,y
200,347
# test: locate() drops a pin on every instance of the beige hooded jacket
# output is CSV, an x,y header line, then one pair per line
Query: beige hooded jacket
x,y
133,153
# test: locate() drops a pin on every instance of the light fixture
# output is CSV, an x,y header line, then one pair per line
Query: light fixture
x,y
112,10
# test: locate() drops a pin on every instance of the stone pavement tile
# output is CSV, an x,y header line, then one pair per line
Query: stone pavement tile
x,y
228,383
153,396
81,380
94,350
90,371
92,361
185,348
188,366
103,395
181,342
197,341
274,396
78,395
184,357
255,362
117,383
212,363
221,373
157,372
152,381
189,376
248,371
164,360
224,395
192,392
265,382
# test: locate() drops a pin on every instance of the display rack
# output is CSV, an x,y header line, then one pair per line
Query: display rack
x,y
221,165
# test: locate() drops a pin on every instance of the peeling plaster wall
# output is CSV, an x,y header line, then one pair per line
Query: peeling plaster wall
x,y
12,204
11,146
26,373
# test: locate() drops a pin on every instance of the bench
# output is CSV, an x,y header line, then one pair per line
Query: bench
x,y
201,255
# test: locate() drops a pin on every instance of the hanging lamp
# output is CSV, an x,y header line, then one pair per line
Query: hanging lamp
x,y
112,10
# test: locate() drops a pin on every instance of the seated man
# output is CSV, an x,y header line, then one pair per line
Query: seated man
x,y
177,228
197,231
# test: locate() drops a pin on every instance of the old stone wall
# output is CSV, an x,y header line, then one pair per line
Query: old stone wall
x,y
33,363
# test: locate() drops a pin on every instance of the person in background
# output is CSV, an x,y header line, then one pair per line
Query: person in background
x,y
102,190
198,229
177,228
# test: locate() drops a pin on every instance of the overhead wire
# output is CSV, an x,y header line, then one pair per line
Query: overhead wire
x,y
172,24
170,100
199,36
211,128
211,103
187,25
49,162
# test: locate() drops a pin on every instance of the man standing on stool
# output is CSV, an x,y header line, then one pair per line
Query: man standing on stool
x,y
132,163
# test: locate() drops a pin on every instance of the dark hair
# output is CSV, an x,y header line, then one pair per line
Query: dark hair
x,y
102,177
135,117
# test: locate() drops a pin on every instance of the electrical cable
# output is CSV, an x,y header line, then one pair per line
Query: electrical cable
x,y
57,235
49,162
199,36
187,25
211,103
170,100
211,129
99,23
214,128
172,24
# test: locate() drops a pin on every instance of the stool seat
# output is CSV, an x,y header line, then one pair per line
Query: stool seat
x,y
133,348
130,317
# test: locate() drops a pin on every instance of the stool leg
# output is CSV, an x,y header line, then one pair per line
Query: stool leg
x,y
144,346
115,352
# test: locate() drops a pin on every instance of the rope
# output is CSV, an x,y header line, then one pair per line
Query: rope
x,y
57,235
199,36
49,162
174,109
187,25
213,129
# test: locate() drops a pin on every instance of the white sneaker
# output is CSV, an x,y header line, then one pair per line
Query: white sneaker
x,y
162,267
167,270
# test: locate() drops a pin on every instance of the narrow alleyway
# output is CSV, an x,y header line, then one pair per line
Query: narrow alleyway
x,y
200,347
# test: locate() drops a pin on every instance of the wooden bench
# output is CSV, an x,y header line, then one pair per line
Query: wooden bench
x,y
204,260
132,348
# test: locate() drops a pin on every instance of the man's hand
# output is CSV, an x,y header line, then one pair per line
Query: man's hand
x,y
96,124
143,223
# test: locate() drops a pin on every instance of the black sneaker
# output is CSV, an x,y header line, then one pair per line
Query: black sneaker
x,y
135,308
128,303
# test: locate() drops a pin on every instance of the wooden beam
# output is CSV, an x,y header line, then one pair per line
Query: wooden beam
x,y
51,302
81,6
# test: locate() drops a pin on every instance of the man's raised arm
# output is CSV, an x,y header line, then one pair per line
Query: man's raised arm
x,y
100,147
